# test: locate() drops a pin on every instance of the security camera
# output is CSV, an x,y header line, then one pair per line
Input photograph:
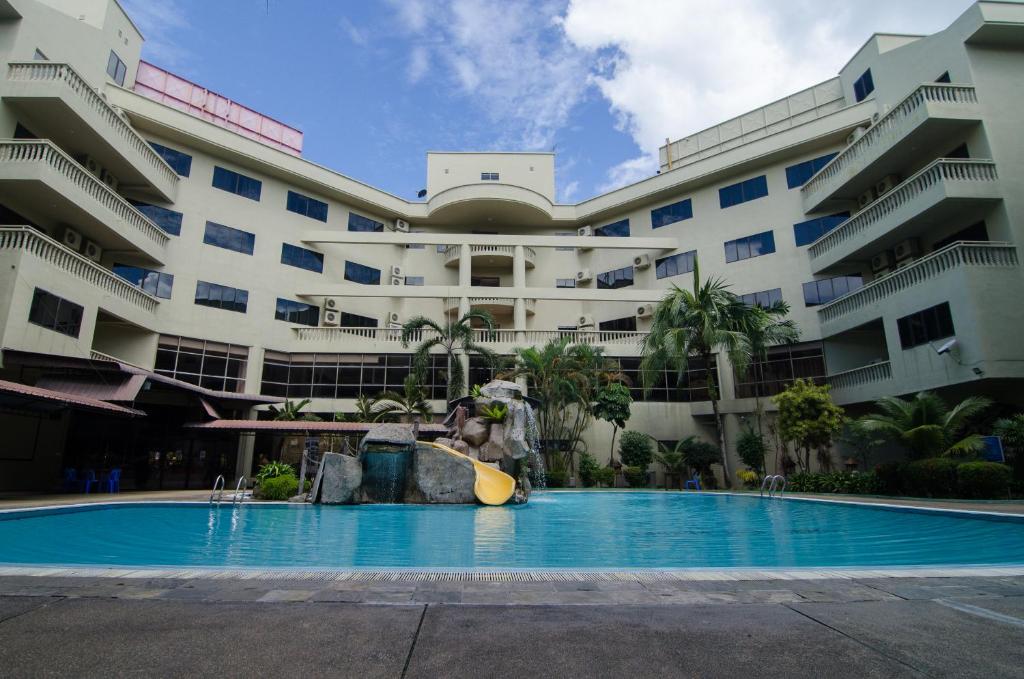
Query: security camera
x,y
946,347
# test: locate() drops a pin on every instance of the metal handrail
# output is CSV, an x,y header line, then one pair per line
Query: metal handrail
x,y
770,481
239,491
218,484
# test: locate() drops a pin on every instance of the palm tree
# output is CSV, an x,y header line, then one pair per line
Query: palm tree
x,y
291,411
455,338
364,409
926,425
408,404
767,327
696,323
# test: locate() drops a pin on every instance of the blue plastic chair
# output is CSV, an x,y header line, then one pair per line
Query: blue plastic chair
x,y
113,481
692,484
70,480
88,481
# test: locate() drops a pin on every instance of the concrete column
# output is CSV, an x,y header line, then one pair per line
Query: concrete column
x,y
519,267
247,442
465,266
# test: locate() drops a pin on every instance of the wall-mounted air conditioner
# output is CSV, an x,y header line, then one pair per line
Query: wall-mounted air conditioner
x,y
402,225
887,184
855,135
866,198
92,251
584,276
331,318
642,261
645,311
585,231
397,270
331,303
397,280
881,261
394,318
91,164
585,321
72,239
110,180
906,249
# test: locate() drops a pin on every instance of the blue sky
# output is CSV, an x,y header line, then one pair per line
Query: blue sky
x,y
374,85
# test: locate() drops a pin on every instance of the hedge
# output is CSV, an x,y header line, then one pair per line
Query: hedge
x,y
938,477
984,479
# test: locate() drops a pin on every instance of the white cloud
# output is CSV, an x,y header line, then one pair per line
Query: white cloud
x,y
419,64
411,13
357,35
159,20
569,192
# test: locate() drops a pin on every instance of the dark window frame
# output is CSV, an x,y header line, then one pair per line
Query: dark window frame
x,y
56,313
306,206
743,248
157,283
217,296
179,161
743,192
302,258
675,265
237,183
300,313
229,238
355,270
926,326
361,224
616,278
619,229
670,214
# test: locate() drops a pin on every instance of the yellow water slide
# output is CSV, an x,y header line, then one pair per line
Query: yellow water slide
x,y
492,487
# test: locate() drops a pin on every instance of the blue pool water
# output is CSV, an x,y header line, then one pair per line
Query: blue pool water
x,y
555,530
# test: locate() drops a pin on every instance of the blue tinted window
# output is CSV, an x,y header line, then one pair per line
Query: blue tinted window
x,y
297,312
293,255
156,283
826,290
414,280
180,162
168,220
361,223
676,212
236,183
750,246
221,297
619,229
229,239
359,273
348,320
863,86
764,298
797,175
618,278
304,205
674,265
748,190
807,232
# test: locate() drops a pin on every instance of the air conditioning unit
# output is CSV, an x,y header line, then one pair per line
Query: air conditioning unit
x,y
402,225
642,261
585,321
72,239
906,249
645,311
397,280
92,251
110,180
396,270
887,184
331,318
585,231
92,165
866,198
881,261
584,276
903,263
855,135
393,318
331,303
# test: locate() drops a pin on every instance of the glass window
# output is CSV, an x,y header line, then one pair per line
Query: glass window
x,y
627,324
745,191
764,298
489,176
180,162
923,327
166,219
617,278
221,297
414,280
797,175
750,246
807,232
562,248
236,183
361,223
213,365
116,68
293,255
782,365
297,312
55,313
304,205
360,273
675,265
863,86
348,320
229,238
676,212
829,289
565,282
619,229
156,283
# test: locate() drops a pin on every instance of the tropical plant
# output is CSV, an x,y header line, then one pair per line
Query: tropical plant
x,y
635,449
290,411
636,477
764,328
983,480
748,477
588,468
272,470
751,448
495,412
364,409
604,476
926,426
696,323
612,404
861,440
411,402
456,338
474,391
807,418
1011,430
672,460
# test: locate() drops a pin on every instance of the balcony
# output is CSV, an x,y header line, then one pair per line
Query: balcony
x,y
61,106
496,305
488,255
964,268
947,190
926,119
37,176
865,383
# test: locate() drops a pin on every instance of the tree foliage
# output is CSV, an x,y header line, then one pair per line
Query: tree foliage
x,y
635,449
751,448
926,426
454,338
290,411
412,401
613,403
807,418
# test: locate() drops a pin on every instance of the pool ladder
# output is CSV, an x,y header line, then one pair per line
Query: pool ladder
x,y
217,494
771,484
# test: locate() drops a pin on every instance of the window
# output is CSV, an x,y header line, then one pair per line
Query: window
x,y
346,375
675,265
156,283
180,162
297,312
22,132
166,219
116,68
975,232
668,385
221,297
944,78
485,281
751,189
416,246
414,280
565,282
563,248
55,313
619,229
676,212
442,249
797,175
863,86
488,176
236,183
780,368
348,320
229,239
829,289
212,365
763,299
934,323
619,278
304,205
627,324
361,223
751,246
293,255
359,273
807,232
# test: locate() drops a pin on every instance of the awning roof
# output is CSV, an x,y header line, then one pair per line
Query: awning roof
x,y
23,395
301,426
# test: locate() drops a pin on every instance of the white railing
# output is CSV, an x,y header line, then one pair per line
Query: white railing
x,y
963,253
45,71
499,336
44,152
930,92
27,239
452,253
867,374
594,337
942,170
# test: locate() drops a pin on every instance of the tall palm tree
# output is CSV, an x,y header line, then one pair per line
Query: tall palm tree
x,y
408,404
696,323
925,425
767,327
455,337
291,411
364,409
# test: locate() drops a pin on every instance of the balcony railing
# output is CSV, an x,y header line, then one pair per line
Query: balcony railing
x,y
27,239
500,336
45,153
452,303
963,253
45,71
452,253
858,377
942,170
881,132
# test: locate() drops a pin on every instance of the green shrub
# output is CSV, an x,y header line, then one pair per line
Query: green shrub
x,y
279,487
636,477
557,478
989,480
604,476
846,483
588,468
889,478
751,448
635,449
749,478
934,477
274,469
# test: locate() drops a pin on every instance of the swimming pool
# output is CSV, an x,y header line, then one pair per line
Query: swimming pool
x,y
556,530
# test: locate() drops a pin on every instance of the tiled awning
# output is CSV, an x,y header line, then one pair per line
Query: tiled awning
x,y
21,395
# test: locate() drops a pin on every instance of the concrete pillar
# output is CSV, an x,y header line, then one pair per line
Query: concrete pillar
x,y
465,266
519,267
